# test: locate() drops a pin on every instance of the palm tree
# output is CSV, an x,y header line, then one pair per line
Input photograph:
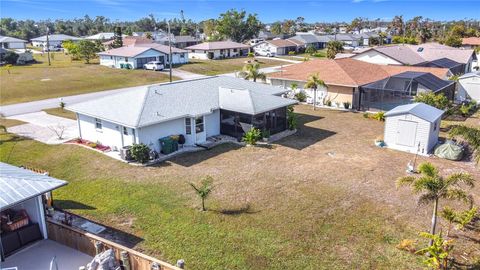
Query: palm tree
x,y
251,71
314,83
204,189
432,187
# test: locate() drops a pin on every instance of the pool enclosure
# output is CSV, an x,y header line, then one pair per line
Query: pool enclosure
x,y
235,124
400,89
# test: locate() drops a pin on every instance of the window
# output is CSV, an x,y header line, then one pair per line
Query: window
x,y
235,50
199,124
188,126
182,55
126,59
98,123
193,51
222,51
111,57
125,131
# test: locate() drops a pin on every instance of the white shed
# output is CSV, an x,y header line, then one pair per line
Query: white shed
x,y
469,87
412,128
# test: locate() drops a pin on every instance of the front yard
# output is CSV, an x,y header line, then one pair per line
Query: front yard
x,y
324,198
64,78
221,66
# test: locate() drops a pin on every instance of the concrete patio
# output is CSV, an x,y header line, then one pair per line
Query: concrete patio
x,y
40,254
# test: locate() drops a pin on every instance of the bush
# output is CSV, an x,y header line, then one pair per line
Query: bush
x,y
140,152
251,55
291,53
311,50
252,136
301,96
10,57
292,119
380,116
439,101
328,102
407,245
366,115
346,105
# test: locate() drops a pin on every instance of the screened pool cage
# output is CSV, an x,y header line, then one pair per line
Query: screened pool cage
x,y
400,89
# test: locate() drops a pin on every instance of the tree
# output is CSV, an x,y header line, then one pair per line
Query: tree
x,y
397,25
439,101
71,48
204,189
276,28
117,37
238,26
334,47
311,50
148,35
10,57
251,71
314,82
453,41
87,50
432,187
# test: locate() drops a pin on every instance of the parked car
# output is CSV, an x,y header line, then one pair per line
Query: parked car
x,y
265,53
154,65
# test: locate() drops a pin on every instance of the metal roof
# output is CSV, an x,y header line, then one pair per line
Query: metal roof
x,y
421,110
18,185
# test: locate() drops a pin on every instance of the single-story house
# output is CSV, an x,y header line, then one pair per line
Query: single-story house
x,y
345,79
179,41
197,109
350,40
54,40
278,46
101,36
22,210
129,41
419,55
412,128
12,43
134,57
471,42
469,87
217,50
305,40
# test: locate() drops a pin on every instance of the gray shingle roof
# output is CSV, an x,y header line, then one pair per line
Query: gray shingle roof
x,y
421,110
164,102
18,185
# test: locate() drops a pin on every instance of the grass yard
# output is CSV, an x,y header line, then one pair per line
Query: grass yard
x,y
324,198
215,67
321,54
62,113
10,122
64,78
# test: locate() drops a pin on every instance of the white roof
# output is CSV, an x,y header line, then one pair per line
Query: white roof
x,y
4,39
18,185
421,110
164,102
56,37
471,74
101,36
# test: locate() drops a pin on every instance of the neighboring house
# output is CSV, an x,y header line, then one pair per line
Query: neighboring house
x,y
12,43
54,41
156,35
412,128
349,40
471,42
180,42
129,41
278,46
101,36
426,54
197,109
345,79
469,87
217,50
134,57
307,39
21,193
24,56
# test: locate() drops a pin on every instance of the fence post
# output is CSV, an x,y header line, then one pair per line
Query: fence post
x,y
125,260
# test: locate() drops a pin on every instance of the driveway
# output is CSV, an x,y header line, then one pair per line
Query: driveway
x,y
44,127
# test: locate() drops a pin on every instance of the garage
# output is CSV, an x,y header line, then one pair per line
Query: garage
x,y
412,128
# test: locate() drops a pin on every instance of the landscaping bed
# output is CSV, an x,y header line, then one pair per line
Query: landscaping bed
x,y
93,145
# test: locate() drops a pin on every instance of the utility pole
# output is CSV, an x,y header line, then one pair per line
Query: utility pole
x,y
170,47
48,47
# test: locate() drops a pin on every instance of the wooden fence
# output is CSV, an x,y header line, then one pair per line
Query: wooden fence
x,y
85,242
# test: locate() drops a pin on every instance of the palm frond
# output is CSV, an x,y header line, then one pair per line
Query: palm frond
x,y
464,178
405,181
428,169
426,198
457,194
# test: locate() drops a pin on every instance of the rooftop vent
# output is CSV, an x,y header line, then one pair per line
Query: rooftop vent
x,y
420,49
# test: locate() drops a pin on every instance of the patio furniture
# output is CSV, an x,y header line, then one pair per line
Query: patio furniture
x,y
12,220
14,240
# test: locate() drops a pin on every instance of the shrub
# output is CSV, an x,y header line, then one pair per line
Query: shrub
x,y
292,119
311,50
407,245
252,136
438,252
380,116
140,152
10,57
251,55
439,101
301,96
92,145
469,134
203,190
291,53
346,105
366,115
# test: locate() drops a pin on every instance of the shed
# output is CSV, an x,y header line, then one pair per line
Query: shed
x,y
469,87
412,128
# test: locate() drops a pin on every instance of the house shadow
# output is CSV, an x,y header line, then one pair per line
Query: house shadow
x,y
69,205
246,209
306,135
190,159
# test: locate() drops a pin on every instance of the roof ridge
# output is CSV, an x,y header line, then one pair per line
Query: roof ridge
x,y
142,106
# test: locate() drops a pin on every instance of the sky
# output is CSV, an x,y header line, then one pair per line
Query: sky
x,y
267,10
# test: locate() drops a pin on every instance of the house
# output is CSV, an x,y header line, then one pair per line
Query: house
x,y
22,210
345,79
101,36
469,87
426,54
54,41
197,109
12,43
129,41
278,46
307,39
412,128
217,49
180,41
133,57
471,42
349,40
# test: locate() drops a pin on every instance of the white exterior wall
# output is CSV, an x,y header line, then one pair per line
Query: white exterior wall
x,y
212,121
425,135
375,57
13,45
469,88
35,212
202,54
111,134
149,135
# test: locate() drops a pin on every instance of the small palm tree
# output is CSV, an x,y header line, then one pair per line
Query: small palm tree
x,y
314,82
433,187
204,189
438,251
251,71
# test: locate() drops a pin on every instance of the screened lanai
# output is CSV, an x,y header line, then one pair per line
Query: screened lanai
x,y
400,89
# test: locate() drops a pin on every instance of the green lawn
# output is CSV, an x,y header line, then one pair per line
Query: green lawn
x,y
62,113
64,77
301,56
215,67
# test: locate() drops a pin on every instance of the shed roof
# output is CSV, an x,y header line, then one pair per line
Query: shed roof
x,y
217,45
468,75
18,185
421,110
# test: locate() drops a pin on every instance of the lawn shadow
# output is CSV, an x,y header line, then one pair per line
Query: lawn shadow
x,y
69,204
306,135
190,159
236,211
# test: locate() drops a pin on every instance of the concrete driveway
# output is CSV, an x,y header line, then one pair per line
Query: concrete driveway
x,y
44,127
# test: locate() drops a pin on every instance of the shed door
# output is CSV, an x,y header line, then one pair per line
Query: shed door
x,y
406,132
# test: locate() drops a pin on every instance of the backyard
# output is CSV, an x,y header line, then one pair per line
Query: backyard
x,y
215,67
324,198
65,77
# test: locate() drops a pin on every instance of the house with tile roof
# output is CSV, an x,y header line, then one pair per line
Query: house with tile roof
x,y
217,50
471,42
346,78
197,109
